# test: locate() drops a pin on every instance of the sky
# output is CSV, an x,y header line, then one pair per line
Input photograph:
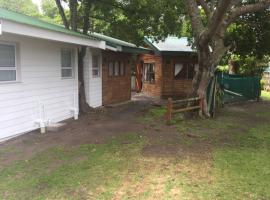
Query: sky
x,y
38,3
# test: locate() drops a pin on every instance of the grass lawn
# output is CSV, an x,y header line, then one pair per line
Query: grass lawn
x,y
223,158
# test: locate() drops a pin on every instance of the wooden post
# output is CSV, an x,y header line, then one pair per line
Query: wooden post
x,y
169,110
201,107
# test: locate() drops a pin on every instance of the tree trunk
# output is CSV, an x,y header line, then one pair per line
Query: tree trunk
x,y
202,78
84,107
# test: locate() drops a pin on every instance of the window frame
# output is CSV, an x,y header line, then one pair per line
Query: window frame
x,y
96,68
72,63
15,68
120,63
153,72
186,67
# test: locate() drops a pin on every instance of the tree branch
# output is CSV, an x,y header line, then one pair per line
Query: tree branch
x,y
205,7
194,14
62,13
73,4
216,19
86,16
242,10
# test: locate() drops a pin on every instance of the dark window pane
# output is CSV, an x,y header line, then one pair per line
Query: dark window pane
x,y
116,68
95,66
149,72
111,69
7,75
66,58
122,69
95,73
191,71
66,73
180,71
7,55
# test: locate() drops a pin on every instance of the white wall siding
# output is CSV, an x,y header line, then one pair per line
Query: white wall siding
x,y
94,87
40,84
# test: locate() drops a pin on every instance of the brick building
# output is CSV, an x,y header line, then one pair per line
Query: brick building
x,y
116,67
168,70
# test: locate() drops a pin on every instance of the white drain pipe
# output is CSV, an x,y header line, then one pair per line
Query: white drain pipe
x,y
75,109
75,112
42,123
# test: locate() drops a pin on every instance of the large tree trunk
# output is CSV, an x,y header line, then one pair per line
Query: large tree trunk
x,y
84,107
202,78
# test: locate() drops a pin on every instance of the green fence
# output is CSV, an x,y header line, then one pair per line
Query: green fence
x,y
238,87
227,88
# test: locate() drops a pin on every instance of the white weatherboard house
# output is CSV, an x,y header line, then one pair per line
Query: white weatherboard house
x,y
39,73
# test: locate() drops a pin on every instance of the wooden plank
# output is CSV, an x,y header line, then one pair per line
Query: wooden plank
x,y
186,109
186,100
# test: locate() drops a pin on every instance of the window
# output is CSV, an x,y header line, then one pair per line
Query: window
x,y
67,63
191,71
122,69
184,71
95,66
8,68
149,72
111,68
116,68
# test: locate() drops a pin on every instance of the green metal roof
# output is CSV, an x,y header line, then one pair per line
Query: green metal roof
x,y
31,21
24,19
126,46
112,41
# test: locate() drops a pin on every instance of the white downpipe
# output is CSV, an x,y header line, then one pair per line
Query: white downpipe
x,y
75,109
41,121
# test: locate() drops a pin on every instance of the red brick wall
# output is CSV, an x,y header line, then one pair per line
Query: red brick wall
x,y
115,89
165,84
153,89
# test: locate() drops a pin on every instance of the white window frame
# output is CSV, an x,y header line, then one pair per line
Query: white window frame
x,y
98,66
11,68
72,63
147,73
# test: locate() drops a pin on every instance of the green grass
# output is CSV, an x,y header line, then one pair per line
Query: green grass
x,y
235,166
89,171
265,95
153,115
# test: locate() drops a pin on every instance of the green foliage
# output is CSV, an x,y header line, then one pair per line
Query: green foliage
x,y
133,20
50,12
263,83
265,95
250,35
22,6
251,65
